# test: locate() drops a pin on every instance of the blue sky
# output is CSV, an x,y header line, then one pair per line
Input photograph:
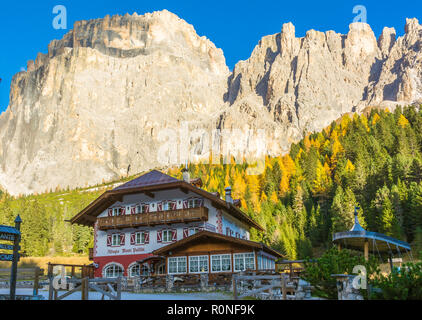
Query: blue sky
x,y
234,26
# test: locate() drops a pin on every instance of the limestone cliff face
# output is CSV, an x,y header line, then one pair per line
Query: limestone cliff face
x,y
302,84
92,108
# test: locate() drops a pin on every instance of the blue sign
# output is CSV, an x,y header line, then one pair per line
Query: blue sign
x,y
6,257
6,246
7,236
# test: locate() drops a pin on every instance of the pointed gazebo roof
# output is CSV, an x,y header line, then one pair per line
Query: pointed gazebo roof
x,y
378,243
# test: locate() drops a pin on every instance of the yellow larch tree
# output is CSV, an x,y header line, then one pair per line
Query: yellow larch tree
x,y
375,119
403,122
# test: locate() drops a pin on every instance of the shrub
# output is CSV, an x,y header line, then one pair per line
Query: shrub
x,y
405,284
318,273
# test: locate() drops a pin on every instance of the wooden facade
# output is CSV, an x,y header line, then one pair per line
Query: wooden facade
x,y
153,218
209,244
134,235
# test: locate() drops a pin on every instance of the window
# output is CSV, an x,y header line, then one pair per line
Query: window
x,y
244,261
177,265
134,270
198,264
116,212
140,238
194,203
165,206
221,263
144,270
266,264
260,262
140,208
167,235
192,231
113,271
115,239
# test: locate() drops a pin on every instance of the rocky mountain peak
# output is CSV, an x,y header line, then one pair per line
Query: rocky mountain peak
x,y
412,25
93,107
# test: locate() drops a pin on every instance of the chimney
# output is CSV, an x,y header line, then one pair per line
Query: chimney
x,y
229,194
186,176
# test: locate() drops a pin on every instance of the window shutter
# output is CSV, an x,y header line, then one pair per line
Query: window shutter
x,y
160,206
109,240
174,235
173,205
110,212
159,235
132,238
146,237
122,239
133,210
146,206
185,232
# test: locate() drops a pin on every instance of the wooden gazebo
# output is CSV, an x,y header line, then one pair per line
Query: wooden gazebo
x,y
377,243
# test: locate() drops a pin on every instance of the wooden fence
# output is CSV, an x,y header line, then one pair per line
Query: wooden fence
x,y
253,285
108,287
24,274
73,270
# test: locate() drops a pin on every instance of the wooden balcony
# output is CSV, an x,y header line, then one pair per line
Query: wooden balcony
x,y
153,218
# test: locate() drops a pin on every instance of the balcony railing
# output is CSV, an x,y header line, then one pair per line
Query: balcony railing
x,y
153,218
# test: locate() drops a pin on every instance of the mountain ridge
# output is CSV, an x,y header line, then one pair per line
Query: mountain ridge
x,y
92,108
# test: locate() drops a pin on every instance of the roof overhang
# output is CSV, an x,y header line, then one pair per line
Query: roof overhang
x,y
204,235
151,258
377,242
89,214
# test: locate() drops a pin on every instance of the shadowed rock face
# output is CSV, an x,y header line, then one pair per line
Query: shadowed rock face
x,y
93,107
305,83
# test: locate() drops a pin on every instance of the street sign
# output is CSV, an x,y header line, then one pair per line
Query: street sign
x,y
6,246
11,234
6,257
7,236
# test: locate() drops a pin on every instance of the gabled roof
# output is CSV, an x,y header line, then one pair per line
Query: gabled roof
x,y
149,183
151,178
204,235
